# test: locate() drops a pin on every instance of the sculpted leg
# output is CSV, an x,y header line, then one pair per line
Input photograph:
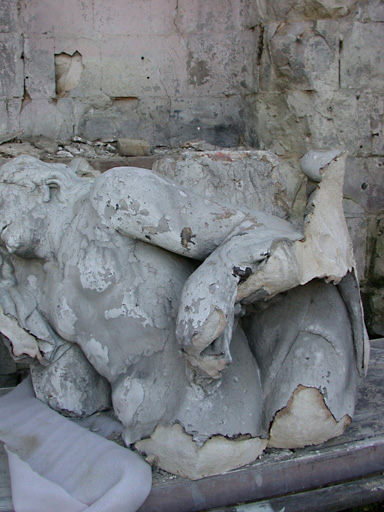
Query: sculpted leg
x,y
71,385
304,346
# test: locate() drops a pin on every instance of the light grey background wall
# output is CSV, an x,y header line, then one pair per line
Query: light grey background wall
x,y
287,75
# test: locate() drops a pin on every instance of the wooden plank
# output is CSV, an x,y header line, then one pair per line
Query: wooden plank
x,y
268,479
331,499
352,462
5,484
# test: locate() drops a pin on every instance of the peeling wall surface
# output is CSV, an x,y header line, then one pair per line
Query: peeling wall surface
x,y
166,70
288,76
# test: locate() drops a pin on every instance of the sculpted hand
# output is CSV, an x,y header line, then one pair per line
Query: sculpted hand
x,y
207,308
205,322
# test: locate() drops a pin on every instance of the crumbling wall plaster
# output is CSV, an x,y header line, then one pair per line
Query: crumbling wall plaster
x,y
321,85
166,71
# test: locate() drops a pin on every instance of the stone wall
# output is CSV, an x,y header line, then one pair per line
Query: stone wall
x,y
287,75
321,86
163,70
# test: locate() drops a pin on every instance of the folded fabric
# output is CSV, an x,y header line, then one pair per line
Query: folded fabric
x,y
56,465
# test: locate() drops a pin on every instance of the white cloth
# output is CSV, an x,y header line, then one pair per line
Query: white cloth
x,y
56,465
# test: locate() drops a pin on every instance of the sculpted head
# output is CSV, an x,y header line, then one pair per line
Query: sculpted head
x,y
33,196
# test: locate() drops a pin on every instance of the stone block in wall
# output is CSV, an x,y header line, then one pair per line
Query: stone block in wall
x,y
250,178
8,16
221,121
3,118
376,303
294,10
13,110
358,230
51,118
300,56
135,18
11,66
300,120
143,66
197,17
87,53
281,129
373,10
57,18
362,56
221,64
39,67
364,183
125,117
378,257
213,64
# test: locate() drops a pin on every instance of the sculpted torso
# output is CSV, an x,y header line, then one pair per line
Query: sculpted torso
x,y
161,290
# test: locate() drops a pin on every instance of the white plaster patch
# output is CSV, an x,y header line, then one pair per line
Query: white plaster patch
x,y
66,318
129,307
96,272
32,281
98,355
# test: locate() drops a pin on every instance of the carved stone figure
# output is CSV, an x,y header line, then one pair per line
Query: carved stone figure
x,y
212,330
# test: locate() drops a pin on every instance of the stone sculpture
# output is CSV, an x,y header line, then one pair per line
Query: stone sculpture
x,y
212,330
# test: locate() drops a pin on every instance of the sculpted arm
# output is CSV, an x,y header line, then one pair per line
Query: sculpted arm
x,y
146,206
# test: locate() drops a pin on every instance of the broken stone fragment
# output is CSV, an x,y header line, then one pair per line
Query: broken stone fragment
x,y
133,147
14,149
313,163
172,449
70,385
83,168
304,421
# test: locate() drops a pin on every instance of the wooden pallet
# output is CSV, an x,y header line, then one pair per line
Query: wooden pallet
x,y
345,472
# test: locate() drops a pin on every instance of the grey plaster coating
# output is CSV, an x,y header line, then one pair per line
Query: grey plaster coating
x,y
212,328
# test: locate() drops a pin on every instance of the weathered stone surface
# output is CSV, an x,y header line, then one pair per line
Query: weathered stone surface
x,y
162,71
136,18
40,18
204,18
290,123
71,385
88,88
358,231
219,64
49,118
68,71
377,312
300,56
307,416
11,65
169,448
48,145
378,261
252,179
293,10
7,364
8,16
133,147
364,183
13,149
360,67
221,121
370,11
39,67
108,265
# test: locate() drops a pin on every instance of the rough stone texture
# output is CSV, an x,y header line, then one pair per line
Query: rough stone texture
x,y
203,315
360,67
133,147
287,76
